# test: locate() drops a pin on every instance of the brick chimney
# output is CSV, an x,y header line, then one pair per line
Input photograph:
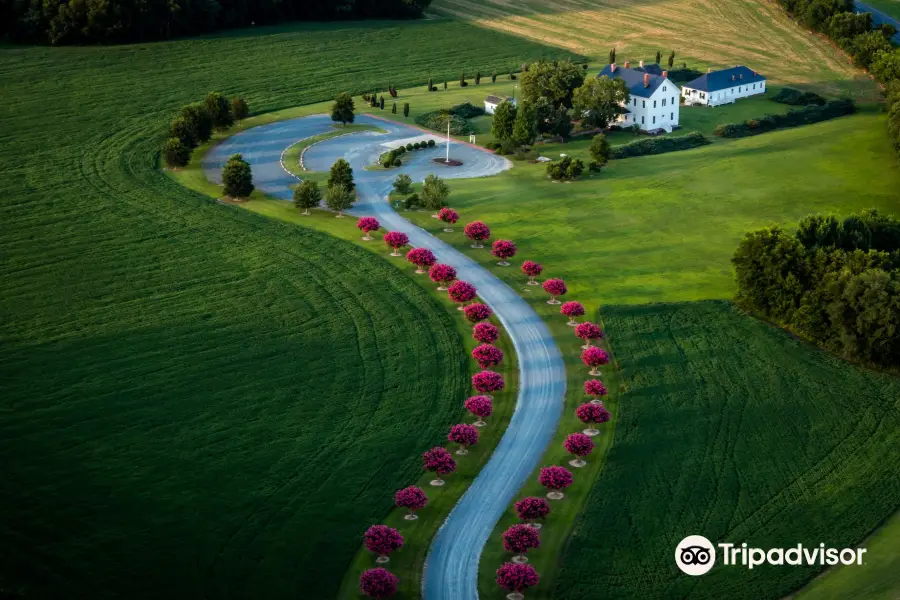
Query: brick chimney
x,y
612,67
665,74
732,77
627,65
642,64
741,76
646,80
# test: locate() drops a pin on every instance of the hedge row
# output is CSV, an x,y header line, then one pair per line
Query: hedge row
x,y
793,118
659,145
797,98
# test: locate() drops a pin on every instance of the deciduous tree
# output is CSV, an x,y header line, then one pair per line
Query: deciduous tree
x,y
555,80
448,216
555,479
598,102
307,195
342,111
440,462
573,310
595,389
237,177
220,110
200,120
515,577
442,275
175,153
339,198
239,108
487,356
403,184
411,498
462,292
487,381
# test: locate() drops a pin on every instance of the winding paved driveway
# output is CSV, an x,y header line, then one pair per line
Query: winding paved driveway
x,y
451,570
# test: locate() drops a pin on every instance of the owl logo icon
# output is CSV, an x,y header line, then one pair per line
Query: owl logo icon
x,y
695,555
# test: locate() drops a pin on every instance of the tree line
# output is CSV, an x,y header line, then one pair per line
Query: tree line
x,y
123,21
869,48
833,282
195,123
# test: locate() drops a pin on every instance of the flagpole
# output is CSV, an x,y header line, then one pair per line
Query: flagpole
x,y
448,142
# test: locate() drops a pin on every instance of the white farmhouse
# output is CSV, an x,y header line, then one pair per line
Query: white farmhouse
x,y
491,103
654,99
724,87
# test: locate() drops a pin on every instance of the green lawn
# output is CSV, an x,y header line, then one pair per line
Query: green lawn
x,y
738,432
888,7
195,398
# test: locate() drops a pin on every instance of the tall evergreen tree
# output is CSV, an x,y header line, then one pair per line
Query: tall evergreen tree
x,y
504,118
525,125
341,174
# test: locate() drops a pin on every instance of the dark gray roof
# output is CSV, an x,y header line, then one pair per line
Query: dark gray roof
x,y
496,99
652,68
634,80
722,80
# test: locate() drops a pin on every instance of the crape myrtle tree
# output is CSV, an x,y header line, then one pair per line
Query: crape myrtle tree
x,y
503,249
339,197
307,195
519,539
367,225
403,184
532,508
578,445
382,540
341,173
516,578
487,356
342,110
532,269
486,382
219,109
594,358
176,153
481,407
478,232
588,331
477,312
378,583
435,193
411,498
555,479
421,257
239,108
462,292
556,288
237,177
573,310
439,461
448,216
595,389
486,333
592,414
465,435
503,120
442,275
599,101
396,240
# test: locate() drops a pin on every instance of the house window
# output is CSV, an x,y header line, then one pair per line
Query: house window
x,y
642,120
673,100
654,120
671,116
739,89
654,104
702,96
664,88
754,86
643,104
635,101
664,102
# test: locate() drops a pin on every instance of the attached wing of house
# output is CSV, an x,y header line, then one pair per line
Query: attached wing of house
x,y
724,87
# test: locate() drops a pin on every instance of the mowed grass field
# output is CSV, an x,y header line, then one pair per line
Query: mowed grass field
x,y
888,7
732,430
703,33
196,400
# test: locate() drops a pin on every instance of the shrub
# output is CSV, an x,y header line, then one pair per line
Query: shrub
x,y
797,98
403,184
409,147
437,120
793,118
659,145
413,200
566,169
600,149
466,110
397,163
435,192
239,108
431,143
416,146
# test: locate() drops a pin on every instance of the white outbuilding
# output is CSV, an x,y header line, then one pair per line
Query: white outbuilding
x,y
491,103
724,87
653,104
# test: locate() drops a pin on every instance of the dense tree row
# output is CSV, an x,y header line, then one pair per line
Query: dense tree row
x,y
122,21
870,49
835,283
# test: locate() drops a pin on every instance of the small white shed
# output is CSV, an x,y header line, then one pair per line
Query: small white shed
x,y
491,103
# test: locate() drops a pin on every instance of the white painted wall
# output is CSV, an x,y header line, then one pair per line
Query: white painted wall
x,y
659,110
726,96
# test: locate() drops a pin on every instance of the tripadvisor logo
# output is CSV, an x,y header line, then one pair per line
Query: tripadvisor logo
x,y
696,555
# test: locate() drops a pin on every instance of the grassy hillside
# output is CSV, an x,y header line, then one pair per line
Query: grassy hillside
x,y
721,34
191,389
765,440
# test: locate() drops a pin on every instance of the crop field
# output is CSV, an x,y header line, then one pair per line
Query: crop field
x,y
736,431
705,33
888,7
189,388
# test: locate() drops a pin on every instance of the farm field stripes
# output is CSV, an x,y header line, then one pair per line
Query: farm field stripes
x,y
716,388
167,404
703,33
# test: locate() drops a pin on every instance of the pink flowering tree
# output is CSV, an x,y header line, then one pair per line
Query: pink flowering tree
x,y
573,310
367,225
382,540
592,414
555,479
378,583
465,435
443,275
477,232
516,578
448,216
532,269
487,382
461,292
481,407
411,498
438,461
396,240
475,313
519,539
487,356
588,331
595,389
531,509
422,258
486,333
556,288
594,358
504,250
578,445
